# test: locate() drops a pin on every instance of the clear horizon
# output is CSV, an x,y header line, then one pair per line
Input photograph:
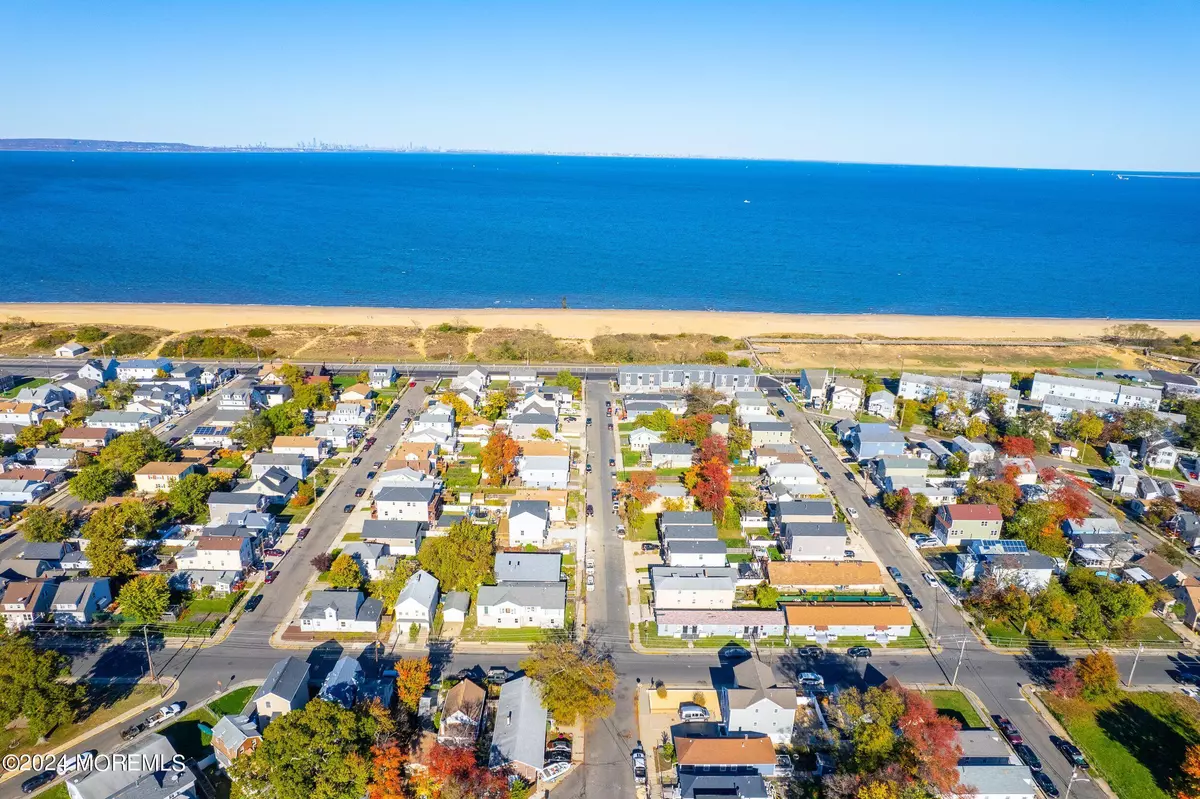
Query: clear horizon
x,y
1082,86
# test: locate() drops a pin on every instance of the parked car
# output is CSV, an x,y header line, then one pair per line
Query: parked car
x,y
271,576
610,427
612,462
302,534
929,578
852,513
812,652
589,420
1008,730
378,464
355,461
163,713
560,744
358,492
638,757
370,475
916,603
892,570
498,674
848,554
37,781
859,651
253,602
590,511
649,547
275,553
1070,752
590,565
589,468
348,509
1028,757
1045,783
620,531
906,590
70,763
129,733
812,681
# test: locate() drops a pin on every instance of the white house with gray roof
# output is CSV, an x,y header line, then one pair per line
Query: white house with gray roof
x,y
768,432
997,782
528,567
418,600
121,421
368,556
544,471
882,403
846,393
284,690
403,538
642,438
697,554
341,611
528,522
757,704
522,604
671,456
923,387
525,425
726,379
815,540
414,503
691,587
78,601
295,464
519,732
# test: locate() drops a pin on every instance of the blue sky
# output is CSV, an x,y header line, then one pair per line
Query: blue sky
x,y
1091,85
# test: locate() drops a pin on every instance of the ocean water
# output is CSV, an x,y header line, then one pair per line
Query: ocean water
x,y
526,231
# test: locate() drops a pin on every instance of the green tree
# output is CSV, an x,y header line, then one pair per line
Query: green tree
x,y
1084,426
766,596
312,396
291,374
117,393
345,573
145,599
188,497
635,516
462,560
1089,619
320,751
957,464
462,411
129,452
109,557
577,681
494,405
1098,674
287,419
31,436
31,687
387,588
661,420
542,434
94,483
128,519
567,380
254,432
44,525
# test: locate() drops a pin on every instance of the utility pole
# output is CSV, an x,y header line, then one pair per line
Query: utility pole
x,y
962,651
1133,668
149,658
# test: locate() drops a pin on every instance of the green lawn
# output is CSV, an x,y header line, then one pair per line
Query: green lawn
x,y
216,604
956,705
1136,741
648,634
233,462
290,514
625,427
189,738
101,704
333,463
461,477
740,557
1166,474
234,701
648,531
471,449
1150,630
630,458
27,382
59,791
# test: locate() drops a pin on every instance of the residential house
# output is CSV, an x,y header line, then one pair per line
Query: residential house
x,y
358,391
769,432
544,471
752,405
214,436
814,385
47,396
161,475
953,524
234,736
1024,471
455,606
636,405
687,518
341,611
315,449
871,440
924,387
438,419
382,376
726,379
53,458
737,623
80,389
1190,598
1186,525
671,456
509,605
824,575
416,503
756,704
827,622
720,424
86,437
121,421
693,588
528,523
336,436
100,370
26,602
274,483
402,538
556,498
142,369
1066,450
519,733
642,438
815,540
1148,490
22,414
294,464
525,425
799,476
1118,454
217,553
462,714
731,753
1158,453
221,504
803,510
1124,481
418,600
846,393
51,552
997,782
222,582
344,682
143,770
778,453
977,452
707,785
528,567
350,414
368,556
78,601
284,690
696,553
882,403
21,492
984,747
274,396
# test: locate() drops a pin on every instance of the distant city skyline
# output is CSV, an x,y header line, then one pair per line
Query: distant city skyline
x,y
1074,85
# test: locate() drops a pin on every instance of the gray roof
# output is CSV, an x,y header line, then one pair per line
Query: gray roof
x,y
457,600
690,532
46,551
126,781
285,679
769,426
413,493
805,507
388,530
676,578
75,592
536,507
1022,560
815,529
241,499
755,682
1013,781
841,381
548,595
698,547
421,587
528,567
672,517
279,459
545,462
702,785
881,394
346,603
519,735
233,731
547,420
363,550
342,682
671,449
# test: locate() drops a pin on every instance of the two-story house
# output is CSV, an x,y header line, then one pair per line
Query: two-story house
x,y
522,604
78,601
341,611
415,503
161,475
756,704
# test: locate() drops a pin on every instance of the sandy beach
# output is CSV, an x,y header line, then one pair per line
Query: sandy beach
x,y
578,323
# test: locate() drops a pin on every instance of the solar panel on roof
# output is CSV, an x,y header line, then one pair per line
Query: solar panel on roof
x,y
1012,547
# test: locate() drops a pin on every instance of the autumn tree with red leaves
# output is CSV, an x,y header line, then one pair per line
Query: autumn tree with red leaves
x,y
1074,500
713,448
712,487
1017,446
1065,682
453,773
692,429
499,458
388,773
933,739
640,484
1190,772
1048,474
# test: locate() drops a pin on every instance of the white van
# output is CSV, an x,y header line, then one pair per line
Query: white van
x,y
690,711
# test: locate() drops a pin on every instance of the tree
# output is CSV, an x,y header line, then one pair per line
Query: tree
x,y
542,434
462,411
306,494
932,743
31,686
702,400
1159,512
412,678
317,752
322,562
1018,446
117,393
1037,524
766,596
1190,769
32,435
957,464
1000,493
660,420
129,519
286,419
389,772
1089,620
693,429
461,560
1097,675
145,599
109,557
576,680
1065,683
712,487
713,448
45,526
565,379
494,405
94,483
640,484
1084,426
387,589
312,396
188,497
129,452
976,428
1170,553
499,458
254,432
635,515
345,572
454,773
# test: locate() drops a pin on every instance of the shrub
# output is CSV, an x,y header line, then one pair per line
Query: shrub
x,y
127,343
714,357
90,334
48,341
258,332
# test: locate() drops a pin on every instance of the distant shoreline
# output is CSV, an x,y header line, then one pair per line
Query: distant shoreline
x,y
583,323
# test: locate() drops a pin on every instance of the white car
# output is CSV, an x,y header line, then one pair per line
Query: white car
x,y
810,679
929,578
591,583
590,565
852,513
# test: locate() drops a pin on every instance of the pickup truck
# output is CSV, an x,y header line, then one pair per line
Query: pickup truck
x,y
638,756
162,714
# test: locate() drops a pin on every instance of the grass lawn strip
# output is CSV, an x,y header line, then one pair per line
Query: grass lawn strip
x,y
102,704
187,736
956,705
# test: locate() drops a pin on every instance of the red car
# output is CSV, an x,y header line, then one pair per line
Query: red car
x,y
271,576
412,384
300,536
275,553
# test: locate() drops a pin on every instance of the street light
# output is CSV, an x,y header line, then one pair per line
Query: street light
x,y
1073,780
